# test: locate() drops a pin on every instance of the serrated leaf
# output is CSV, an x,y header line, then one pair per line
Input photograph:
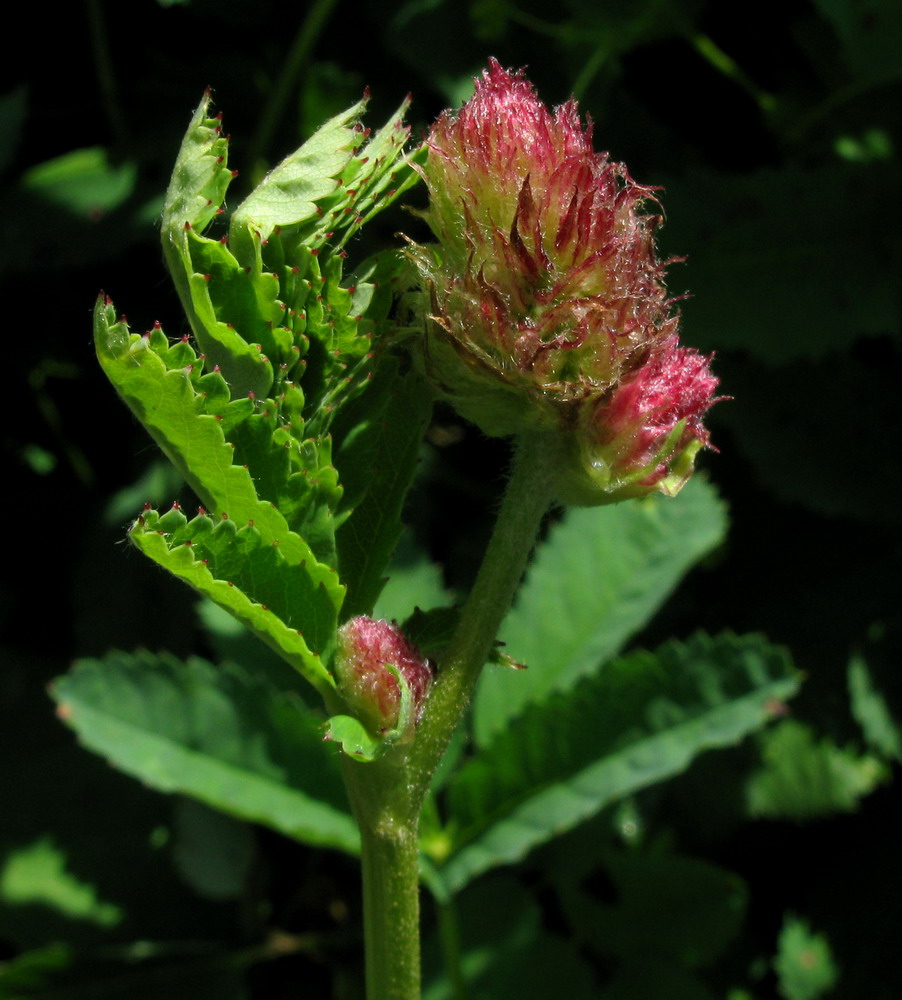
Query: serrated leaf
x,y
292,608
338,180
803,776
196,191
289,193
201,174
598,578
218,734
163,397
639,721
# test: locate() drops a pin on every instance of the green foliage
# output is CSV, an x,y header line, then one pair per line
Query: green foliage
x,y
36,874
872,710
84,182
219,734
776,138
804,963
293,607
619,906
597,579
524,959
640,720
286,425
803,777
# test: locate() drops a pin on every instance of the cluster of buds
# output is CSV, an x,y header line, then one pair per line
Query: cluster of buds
x,y
547,305
383,677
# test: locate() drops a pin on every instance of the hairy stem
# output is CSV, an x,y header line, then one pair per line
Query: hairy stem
x,y
389,828
387,794
527,498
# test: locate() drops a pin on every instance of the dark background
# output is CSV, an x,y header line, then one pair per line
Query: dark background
x,y
774,130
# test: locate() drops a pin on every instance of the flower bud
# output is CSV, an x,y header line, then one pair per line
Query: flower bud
x,y
645,435
547,304
383,677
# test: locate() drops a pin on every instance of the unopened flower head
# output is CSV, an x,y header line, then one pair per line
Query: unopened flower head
x,y
383,676
547,304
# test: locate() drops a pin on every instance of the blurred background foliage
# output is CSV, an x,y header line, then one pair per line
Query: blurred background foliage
x,y
775,130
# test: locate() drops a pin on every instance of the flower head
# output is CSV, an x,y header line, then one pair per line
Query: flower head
x,y
382,675
548,309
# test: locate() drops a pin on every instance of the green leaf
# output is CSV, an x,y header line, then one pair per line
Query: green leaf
x,y
84,182
596,580
289,193
803,777
187,415
413,581
37,874
339,179
196,191
639,721
682,910
354,738
872,710
292,608
379,442
804,963
218,734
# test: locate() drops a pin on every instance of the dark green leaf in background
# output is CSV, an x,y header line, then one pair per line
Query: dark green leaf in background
x,y
505,951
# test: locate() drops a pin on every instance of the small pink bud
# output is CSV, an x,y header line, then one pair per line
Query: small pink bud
x,y
367,649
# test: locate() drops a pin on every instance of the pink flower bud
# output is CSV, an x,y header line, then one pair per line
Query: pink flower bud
x,y
367,649
646,434
547,304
